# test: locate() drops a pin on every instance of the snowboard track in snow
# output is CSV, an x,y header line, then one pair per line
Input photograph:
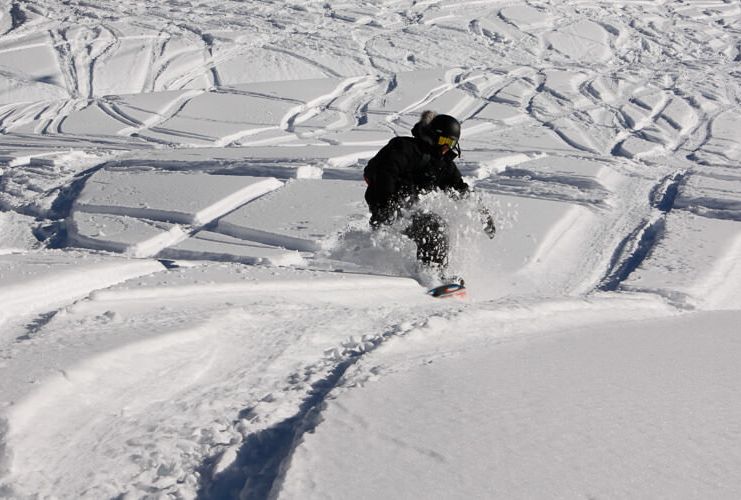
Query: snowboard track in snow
x,y
637,246
631,252
265,456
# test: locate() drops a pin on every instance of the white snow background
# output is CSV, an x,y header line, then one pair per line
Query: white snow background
x,y
192,305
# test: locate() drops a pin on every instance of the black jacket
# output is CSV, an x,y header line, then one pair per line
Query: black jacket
x,y
403,170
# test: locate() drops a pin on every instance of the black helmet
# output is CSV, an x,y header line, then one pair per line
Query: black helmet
x,y
446,130
446,125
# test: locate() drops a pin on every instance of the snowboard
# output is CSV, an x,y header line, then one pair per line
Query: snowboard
x,y
449,290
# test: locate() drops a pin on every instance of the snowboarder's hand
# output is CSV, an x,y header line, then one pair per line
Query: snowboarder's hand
x,y
489,227
488,223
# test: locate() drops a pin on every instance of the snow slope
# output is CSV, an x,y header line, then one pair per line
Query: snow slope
x,y
192,304
516,417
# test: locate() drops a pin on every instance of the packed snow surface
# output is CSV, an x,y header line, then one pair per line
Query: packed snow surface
x,y
192,304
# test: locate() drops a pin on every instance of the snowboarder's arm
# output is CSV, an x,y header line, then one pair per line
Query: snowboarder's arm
x,y
382,176
454,180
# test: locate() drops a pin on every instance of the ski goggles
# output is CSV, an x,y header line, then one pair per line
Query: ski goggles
x,y
447,141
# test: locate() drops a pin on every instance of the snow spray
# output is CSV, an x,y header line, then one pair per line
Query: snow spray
x,y
388,250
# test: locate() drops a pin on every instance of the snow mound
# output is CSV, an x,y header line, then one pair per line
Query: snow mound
x,y
124,234
300,216
16,233
208,245
180,197
51,279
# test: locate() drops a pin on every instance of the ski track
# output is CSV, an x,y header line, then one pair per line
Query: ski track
x,y
229,413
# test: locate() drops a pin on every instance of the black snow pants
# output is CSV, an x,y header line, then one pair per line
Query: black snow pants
x,y
429,232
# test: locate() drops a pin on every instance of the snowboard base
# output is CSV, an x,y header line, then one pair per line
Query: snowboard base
x,y
448,291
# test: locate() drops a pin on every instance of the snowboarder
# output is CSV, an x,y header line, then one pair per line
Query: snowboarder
x,y
408,167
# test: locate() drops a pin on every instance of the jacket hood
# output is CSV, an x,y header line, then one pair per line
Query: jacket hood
x,y
421,129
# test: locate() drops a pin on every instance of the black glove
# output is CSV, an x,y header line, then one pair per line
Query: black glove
x,y
488,223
